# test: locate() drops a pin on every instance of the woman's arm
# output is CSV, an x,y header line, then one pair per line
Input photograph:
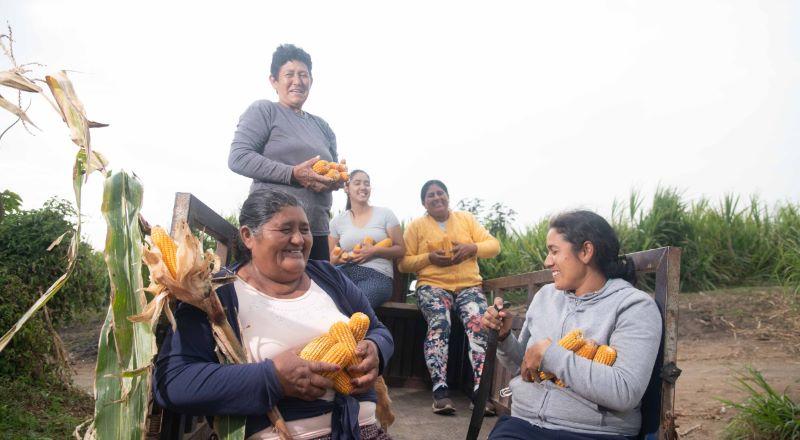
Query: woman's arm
x,y
189,379
619,387
246,158
511,350
414,259
488,246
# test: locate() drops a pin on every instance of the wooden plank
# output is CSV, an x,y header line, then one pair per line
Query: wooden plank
x,y
202,218
519,281
669,272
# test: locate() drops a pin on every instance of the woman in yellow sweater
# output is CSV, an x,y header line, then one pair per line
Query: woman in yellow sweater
x,y
442,248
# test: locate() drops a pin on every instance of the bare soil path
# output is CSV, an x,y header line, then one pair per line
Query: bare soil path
x,y
720,333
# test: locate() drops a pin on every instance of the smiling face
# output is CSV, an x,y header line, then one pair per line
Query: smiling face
x,y
437,202
570,269
292,84
281,246
358,187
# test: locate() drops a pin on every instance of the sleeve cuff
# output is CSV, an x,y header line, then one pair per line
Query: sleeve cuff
x,y
274,388
507,345
553,357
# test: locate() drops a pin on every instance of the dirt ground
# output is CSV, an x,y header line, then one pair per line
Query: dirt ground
x,y
720,333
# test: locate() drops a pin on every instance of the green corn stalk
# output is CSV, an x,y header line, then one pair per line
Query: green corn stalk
x,y
122,376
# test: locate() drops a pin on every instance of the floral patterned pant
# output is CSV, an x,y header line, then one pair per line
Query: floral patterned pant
x,y
435,304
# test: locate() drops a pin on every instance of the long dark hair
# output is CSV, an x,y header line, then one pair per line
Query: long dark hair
x,y
259,208
348,205
578,227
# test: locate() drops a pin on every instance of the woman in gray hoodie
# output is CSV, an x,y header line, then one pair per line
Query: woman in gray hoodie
x,y
592,291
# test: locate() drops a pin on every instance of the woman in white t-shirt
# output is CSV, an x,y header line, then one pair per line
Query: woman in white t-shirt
x,y
369,267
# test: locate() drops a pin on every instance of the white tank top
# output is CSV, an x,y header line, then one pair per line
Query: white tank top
x,y
270,326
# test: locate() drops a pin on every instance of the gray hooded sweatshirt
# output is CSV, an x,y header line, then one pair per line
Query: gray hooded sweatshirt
x,y
598,399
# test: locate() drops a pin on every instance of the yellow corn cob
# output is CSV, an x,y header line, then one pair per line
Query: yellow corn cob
x,y
345,256
546,376
341,383
317,348
369,241
321,167
605,355
588,350
573,340
358,324
345,177
340,355
333,174
167,247
341,333
560,383
357,247
386,242
337,251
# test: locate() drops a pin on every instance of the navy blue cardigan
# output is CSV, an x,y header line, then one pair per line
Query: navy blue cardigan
x,y
190,380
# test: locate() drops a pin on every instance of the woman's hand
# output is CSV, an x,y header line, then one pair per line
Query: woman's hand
x,y
529,370
302,379
306,177
364,254
500,321
464,251
367,369
439,258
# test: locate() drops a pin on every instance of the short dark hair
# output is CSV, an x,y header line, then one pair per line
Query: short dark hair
x,y
427,185
349,205
578,227
259,208
285,53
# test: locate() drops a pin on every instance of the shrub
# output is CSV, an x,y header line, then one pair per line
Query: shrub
x,y
24,238
764,414
26,270
725,244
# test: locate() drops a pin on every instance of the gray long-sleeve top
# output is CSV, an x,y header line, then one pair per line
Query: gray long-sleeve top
x,y
598,399
270,140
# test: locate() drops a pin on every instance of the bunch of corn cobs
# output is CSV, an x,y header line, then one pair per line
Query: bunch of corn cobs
x,y
331,170
367,242
338,346
585,348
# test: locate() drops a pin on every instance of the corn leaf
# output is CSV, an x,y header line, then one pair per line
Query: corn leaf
x,y
230,427
125,348
70,107
8,105
19,82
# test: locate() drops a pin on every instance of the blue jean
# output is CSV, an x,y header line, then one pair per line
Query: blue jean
x,y
514,428
375,285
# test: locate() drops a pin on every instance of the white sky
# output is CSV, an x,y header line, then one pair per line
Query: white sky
x,y
540,105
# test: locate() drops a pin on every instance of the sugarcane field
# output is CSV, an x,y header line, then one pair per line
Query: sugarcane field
x,y
529,220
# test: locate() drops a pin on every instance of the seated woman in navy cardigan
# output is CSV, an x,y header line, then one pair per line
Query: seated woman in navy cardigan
x,y
280,302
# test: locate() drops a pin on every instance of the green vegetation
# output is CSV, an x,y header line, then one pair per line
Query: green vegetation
x,y
725,244
41,410
764,414
26,269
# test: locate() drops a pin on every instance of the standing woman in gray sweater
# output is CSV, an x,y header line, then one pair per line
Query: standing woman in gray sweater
x,y
591,292
276,143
